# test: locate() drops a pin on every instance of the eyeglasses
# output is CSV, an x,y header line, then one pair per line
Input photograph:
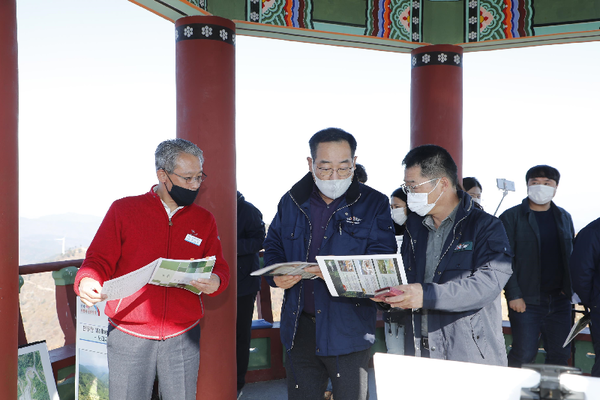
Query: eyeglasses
x,y
195,179
411,188
328,172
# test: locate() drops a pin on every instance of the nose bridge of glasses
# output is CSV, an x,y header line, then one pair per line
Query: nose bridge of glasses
x,y
412,188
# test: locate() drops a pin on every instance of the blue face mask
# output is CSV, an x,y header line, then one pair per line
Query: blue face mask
x,y
182,196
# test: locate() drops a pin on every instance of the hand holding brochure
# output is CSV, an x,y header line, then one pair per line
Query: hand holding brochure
x,y
288,268
160,272
361,276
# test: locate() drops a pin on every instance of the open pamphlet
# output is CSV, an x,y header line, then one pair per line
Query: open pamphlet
x,y
361,276
287,268
161,272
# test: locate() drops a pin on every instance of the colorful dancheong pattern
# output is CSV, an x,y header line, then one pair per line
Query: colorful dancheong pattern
x,y
493,19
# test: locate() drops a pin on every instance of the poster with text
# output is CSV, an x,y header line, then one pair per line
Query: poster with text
x,y
91,372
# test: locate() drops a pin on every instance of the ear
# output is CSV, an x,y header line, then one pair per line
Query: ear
x,y
445,183
161,175
310,164
355,157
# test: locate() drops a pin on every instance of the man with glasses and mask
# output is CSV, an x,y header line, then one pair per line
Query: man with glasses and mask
x,y
328,212
155,332
457,260
539,292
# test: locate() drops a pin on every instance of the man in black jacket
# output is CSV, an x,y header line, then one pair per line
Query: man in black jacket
x,y
539,290
250,237
585,271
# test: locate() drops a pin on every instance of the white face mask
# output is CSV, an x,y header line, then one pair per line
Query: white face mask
x,y
476,200
332,188
540,194
417,202
399,216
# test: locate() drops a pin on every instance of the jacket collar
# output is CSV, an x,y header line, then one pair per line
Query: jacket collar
x,y
527,209
465,207
303,188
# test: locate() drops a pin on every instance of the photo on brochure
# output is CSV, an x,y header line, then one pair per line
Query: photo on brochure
x,y
361,276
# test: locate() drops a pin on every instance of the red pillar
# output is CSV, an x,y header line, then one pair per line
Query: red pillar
x,y
9,200
205,68
436,99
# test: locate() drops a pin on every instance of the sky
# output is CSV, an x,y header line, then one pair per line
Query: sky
x,y
97,95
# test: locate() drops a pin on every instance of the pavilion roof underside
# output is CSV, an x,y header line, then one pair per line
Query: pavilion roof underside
x,y
401,25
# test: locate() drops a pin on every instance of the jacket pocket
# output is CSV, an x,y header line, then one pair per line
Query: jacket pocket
x,y
292,232
478,334
460,267
500,247
351,238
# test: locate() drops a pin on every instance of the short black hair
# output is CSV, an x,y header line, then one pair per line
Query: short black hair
x,y
331,135
399,193
361,173
435,162
471,182
543,171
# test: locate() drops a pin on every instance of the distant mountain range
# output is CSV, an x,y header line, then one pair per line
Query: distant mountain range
x,y
41,239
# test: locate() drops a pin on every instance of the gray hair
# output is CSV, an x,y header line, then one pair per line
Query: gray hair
x,y
166,154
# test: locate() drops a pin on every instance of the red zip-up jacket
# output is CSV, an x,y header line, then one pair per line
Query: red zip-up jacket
x,y
136,231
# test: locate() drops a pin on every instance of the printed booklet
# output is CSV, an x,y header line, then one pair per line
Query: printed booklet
x,y
288,268
347,276
161,272
361,276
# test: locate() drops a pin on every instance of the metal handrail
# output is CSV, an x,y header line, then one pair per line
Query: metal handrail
x,y
48,267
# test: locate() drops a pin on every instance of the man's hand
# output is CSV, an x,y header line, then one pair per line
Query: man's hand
x,y
286,281
90,292
207,286
314,270
411,298
517,305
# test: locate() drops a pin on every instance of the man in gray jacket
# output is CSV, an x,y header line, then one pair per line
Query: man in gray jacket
x,y
457,260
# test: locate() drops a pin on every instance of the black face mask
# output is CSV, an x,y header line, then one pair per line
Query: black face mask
x,y
182,196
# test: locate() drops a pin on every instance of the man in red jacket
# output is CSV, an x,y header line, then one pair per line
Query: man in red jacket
x,y
155,332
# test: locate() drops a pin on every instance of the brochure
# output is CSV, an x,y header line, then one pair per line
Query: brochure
x,y
578,327
161,272
288,268
361,276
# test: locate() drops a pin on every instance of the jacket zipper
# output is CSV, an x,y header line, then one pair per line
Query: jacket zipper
x,y
162,327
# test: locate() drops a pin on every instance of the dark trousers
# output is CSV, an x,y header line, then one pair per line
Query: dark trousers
x,y
552,319
307,373
133,364
245,309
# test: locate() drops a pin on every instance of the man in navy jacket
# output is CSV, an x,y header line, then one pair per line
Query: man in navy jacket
x,y
457,260
585,274
327,213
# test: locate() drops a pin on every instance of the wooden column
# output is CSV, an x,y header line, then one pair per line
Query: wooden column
x,y
205,68
436,99
9,201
